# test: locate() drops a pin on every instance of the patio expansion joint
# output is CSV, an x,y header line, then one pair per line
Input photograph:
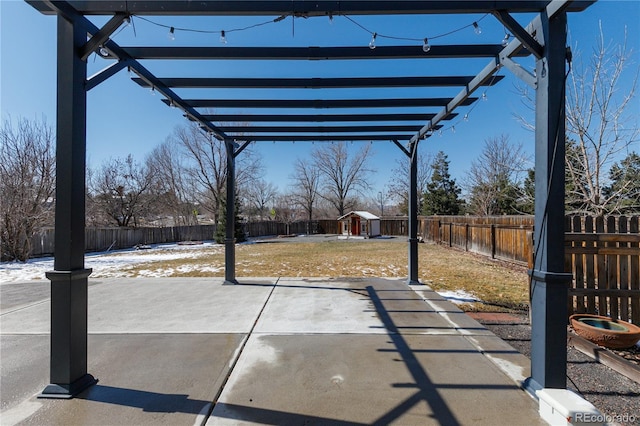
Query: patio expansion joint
x,y
204,415
510,369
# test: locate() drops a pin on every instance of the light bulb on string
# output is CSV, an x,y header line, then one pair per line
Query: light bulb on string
x,y
103,52
505,40
153,90
440,132
484,96
372,43
477,28
466,117
330,18
453,129
426,46
171,34
127,21
223,37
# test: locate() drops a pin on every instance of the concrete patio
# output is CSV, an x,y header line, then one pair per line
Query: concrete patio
x,y
268,351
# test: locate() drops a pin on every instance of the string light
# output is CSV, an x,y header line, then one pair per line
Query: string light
x,y
466,117
375,34
426,46
173,30
372,43
505,40
484,96
453,129
103,52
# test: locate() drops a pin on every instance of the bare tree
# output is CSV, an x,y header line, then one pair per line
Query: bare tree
x,y
494,179
399,184
286,208
306,178
207,165
600,124
120,188
27,184
342,175
172,185
259,197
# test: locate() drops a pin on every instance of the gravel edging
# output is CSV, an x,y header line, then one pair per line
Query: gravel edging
x,y
612,393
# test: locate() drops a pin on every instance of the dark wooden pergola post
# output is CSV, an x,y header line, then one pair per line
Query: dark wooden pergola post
x,y
413,214
548,280
68,363
230,238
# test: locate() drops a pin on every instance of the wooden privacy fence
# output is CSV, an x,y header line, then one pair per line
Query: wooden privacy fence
x,y
499,237
100,239
603,254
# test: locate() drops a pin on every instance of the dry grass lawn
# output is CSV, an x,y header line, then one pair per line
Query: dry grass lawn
x,y
501,287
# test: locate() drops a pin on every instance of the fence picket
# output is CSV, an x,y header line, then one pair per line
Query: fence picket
x,y
612,269
589,264
634,272
578,275
623,269
601,274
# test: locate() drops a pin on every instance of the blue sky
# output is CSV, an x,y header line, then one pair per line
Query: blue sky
x,y
126,119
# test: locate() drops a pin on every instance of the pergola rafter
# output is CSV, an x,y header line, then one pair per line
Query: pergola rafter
x,y
409,121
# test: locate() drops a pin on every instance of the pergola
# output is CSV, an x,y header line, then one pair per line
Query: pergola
x,y
405,126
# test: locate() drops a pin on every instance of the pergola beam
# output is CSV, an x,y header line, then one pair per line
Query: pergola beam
x,y
313,83
525,38
321,118
320,103
321,138
317,53
317,129
301,7
103,35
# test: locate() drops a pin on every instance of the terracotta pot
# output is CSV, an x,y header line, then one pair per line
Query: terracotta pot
x,y
604,331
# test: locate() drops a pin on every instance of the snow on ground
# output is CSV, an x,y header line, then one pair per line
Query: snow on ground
x,y
115,264
107,264
458,296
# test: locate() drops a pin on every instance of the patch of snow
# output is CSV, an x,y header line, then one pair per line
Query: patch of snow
x,y
458,296
113,264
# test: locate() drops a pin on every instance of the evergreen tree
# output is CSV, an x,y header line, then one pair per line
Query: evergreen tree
x,y
221,230
526,202
442,193
624,190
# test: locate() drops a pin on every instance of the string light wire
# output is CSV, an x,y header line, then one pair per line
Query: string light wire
x,y
391,37
374,34
193,30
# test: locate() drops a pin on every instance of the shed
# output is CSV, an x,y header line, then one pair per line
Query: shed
x,y
359,224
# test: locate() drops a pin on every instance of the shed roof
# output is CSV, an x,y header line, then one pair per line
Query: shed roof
x,y
363,214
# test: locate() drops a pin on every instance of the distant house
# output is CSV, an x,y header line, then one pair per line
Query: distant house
x,y
359,224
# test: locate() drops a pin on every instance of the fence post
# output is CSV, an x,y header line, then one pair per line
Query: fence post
x,y
466,237
493,241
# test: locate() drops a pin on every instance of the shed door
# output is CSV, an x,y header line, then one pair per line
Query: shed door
x,y
355,225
